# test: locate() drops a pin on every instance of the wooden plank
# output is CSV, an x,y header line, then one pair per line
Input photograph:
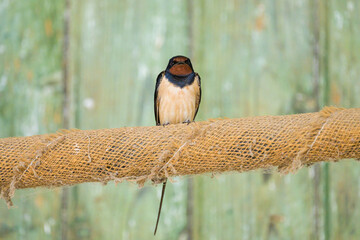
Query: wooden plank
x,y
254,57
344,72
117,59
30,103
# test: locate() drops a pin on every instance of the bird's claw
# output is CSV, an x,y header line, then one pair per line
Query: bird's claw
x,y
187,121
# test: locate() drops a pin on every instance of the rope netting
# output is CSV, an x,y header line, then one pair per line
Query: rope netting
x,y
155,153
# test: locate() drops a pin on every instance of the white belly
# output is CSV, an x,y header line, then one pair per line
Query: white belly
x,y
177,104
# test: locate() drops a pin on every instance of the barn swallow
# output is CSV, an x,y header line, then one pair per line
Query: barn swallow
x,y
176,99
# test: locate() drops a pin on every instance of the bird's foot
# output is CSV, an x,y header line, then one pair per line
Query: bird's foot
x,y
165,124
187,121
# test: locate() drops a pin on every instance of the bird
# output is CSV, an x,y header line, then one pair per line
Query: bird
x,y
176,99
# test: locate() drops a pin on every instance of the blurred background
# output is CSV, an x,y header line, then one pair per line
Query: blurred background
x,y
93,64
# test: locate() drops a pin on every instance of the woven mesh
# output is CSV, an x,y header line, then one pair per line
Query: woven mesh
x,y
153,153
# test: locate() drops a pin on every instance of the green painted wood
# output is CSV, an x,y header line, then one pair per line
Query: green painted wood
x,y
344,91
116,67
30,103
254,58
259,70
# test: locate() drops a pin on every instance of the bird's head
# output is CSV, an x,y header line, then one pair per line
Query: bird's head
x,y
179,66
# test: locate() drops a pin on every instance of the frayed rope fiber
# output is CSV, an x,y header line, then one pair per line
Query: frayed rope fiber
x,y
153,153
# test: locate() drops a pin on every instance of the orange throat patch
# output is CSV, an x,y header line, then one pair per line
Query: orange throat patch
x,y
180,70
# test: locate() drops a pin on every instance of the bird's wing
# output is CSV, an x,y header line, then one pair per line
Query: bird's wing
x,y
198,95
157,99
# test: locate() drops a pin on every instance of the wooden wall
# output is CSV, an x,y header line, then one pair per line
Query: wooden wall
x,y
254,57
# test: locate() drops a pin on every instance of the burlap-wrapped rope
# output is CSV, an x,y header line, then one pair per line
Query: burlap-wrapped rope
x,y
153,153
